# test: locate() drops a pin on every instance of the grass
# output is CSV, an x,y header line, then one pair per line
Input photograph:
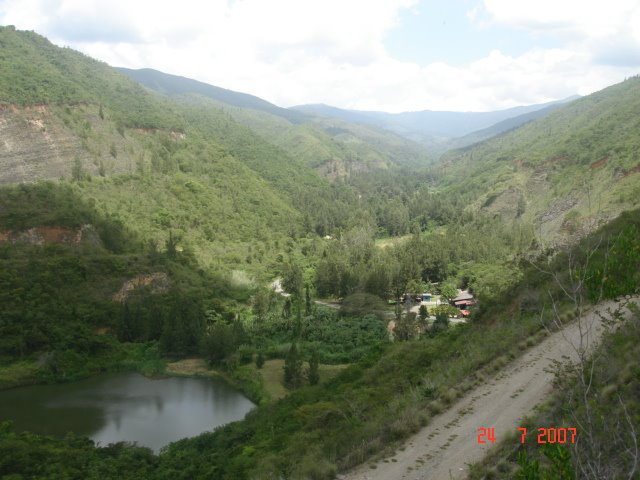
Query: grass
x,y
387,242
18,374
272,376
189,366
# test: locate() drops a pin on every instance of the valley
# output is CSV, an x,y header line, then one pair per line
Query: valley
x,y
153,224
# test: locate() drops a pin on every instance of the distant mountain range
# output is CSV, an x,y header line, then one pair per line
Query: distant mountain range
x,y
437,130
436,127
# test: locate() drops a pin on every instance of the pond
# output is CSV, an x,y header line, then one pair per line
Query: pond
x,y
125,407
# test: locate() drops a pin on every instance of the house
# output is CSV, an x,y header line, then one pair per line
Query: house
x,y
463,301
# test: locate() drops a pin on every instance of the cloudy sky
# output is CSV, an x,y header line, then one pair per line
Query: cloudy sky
x,y
390,55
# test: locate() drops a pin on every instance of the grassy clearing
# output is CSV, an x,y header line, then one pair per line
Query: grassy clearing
x,y
272,376
190,367
391,241
18,373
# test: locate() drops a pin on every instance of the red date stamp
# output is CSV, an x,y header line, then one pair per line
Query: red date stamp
x,y
544,435
552,435
486,435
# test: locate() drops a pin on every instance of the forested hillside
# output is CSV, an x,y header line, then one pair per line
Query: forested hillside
x,y
567,173
335,148
139,226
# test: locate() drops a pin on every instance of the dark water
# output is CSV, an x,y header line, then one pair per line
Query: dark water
x,y
125,406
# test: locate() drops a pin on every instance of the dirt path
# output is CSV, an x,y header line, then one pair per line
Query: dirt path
x,y
443,449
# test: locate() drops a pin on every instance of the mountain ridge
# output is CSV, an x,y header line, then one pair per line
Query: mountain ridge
x,y
428,125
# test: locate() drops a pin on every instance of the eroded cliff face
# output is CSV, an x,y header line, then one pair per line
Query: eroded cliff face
x,y
42,142
34,146
158,282
44,235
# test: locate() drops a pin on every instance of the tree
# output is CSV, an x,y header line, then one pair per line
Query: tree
x,y
171,245
263,300
406,326
293,368
307,301
77,173
441,323
448,291
313,374
292,279
218,343
423,312
286,308
415,286
259,360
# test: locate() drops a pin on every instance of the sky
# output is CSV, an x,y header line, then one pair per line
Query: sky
x,y
387,55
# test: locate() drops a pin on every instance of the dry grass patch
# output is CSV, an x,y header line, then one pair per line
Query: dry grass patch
x,y
190,366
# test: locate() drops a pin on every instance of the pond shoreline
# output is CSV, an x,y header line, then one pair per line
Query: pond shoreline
x,y
126,406
24,373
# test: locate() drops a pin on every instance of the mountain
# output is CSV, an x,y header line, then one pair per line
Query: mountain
x,y
173,85
501,127
427,127
335,148
156,164
568,172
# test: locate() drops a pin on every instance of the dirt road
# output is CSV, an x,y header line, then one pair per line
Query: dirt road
x,y
443,449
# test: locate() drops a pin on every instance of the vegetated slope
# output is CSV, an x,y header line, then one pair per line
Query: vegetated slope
x,y
502,127
603,409
75,284
36,72
336,148
568,172
430,128
381,399
447,446
172,85
159,164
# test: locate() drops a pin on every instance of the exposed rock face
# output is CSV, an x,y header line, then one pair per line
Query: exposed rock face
x,y
158,281
557,208
47,235
509,204
34,146
40,142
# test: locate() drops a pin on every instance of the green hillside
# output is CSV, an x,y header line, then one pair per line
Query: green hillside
x,y
568,172
335,148
173,85
77,288
158,165
143,225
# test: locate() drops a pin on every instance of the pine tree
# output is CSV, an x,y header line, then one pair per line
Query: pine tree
x,y
293,368
259,360
307,299
313,374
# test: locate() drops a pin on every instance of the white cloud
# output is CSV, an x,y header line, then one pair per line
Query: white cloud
x,y
332,51
573,18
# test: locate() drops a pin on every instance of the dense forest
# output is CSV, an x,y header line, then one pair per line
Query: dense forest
x,y
171,213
